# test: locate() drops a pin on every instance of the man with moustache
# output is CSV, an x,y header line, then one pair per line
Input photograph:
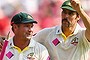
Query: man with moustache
x,y
68,41
21,46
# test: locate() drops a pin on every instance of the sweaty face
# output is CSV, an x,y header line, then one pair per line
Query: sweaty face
x,y
69,18
25,30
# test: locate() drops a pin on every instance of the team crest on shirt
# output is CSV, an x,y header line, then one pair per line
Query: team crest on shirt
x,y
31,56
74,41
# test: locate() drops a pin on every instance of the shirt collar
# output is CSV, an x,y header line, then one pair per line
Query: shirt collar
x,y
77,29
58,30
11,44
31,44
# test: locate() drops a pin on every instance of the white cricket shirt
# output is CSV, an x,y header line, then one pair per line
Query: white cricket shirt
x,y
34,51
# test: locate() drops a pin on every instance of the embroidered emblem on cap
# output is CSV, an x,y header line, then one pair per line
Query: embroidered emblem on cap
x,y
74,41
9,54
29,17
56,42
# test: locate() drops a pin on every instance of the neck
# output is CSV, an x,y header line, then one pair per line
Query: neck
x,y
68,31
21,43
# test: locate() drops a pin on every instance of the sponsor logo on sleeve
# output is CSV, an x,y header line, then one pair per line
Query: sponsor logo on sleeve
x,y
56,42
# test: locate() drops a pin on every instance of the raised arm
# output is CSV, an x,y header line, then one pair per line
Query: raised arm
x,y
85,18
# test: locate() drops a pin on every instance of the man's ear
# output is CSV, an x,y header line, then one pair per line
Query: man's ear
x,y
15,27
78,17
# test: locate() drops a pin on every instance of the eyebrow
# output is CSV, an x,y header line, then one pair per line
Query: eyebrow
x,y
68,10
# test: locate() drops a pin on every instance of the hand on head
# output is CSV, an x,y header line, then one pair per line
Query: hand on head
x,y
76,4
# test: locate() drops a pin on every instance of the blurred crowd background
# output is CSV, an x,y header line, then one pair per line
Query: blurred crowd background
x,y
46,12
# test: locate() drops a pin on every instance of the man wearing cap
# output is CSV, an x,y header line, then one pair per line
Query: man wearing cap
x,y
22,46
68,41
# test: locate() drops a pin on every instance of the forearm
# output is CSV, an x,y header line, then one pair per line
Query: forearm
x,y
86,21
85,18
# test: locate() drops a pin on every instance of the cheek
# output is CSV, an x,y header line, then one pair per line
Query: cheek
x,y
28,29
25,28
73,21
31,29
63,16
73,18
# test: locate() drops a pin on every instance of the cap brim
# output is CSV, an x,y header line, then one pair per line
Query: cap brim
x,y
29,21
67,7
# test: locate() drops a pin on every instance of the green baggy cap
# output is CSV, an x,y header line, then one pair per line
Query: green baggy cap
x,y
22,18
67,5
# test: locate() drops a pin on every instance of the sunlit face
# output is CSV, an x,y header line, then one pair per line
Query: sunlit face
x,y
69,18
25,30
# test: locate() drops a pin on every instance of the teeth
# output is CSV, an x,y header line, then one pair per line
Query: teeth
x,y
28,37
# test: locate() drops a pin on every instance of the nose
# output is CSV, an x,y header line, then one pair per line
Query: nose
x,y
30,29
66,15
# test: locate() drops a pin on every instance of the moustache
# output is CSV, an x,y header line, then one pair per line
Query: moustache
x,y
66,20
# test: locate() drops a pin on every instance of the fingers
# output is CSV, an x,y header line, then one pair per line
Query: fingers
x,y
1,44
8,35
2,38
75,2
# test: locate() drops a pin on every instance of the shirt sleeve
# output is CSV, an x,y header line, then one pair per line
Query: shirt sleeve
x,y
43,52
45,55
85,43
41,35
